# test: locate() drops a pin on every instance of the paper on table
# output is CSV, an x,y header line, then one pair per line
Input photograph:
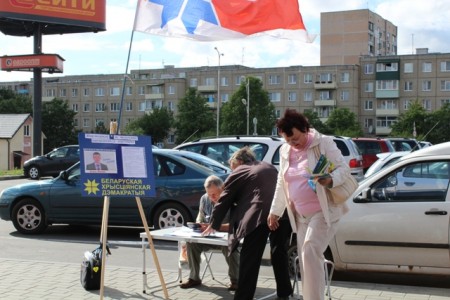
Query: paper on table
x,y
190,233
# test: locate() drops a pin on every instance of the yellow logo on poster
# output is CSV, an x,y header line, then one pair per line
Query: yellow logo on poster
x,y
91,187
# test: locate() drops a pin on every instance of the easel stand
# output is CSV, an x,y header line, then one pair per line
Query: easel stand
x,y
104,234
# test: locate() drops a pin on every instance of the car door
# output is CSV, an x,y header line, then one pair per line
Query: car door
x,y
404,222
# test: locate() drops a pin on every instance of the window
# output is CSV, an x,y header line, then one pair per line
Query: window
x,y
426,103
26,130
86,92
63,93
51,93
274,79
86,122
444,102
408,68
387,67
86,107
129,90
224,81
114,91
210,81
99,107
99,92
114,106
445,85
325,95
129,106
171,90
308,78
368,87
224,97
275,97
368,69
391,85
408,86
345,95
445,66
426,85
368,105
368,123
345,77
74,92
193,82
307,96
292,79
325,77
141,90
75,107
386,122
99,122
170,106
292,96
407,104
75,122
426,67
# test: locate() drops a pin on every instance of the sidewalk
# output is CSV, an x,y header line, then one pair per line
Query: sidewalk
x,y
31,280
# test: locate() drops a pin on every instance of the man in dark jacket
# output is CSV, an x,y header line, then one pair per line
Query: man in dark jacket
x,y
248,194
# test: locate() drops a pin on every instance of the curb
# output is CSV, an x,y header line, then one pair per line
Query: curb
x,y
8,177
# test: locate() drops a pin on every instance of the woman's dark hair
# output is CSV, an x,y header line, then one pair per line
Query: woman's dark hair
x,y
292,119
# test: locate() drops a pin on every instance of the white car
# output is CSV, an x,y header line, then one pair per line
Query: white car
x,y
399,218
384,159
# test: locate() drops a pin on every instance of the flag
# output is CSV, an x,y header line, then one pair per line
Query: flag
x,y
213,20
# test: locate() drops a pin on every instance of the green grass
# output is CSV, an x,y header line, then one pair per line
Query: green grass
x,y
11,172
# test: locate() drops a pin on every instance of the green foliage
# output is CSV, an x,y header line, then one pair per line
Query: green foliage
x,y
101,128
195,118
315,122
57,124
157,124
344,122
233,119
13,103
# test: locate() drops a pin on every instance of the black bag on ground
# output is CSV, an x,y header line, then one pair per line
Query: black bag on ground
x,y
91,269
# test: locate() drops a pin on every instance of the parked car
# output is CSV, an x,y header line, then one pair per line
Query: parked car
x,y
424,144
398,218
352,155
52,163
370,147
201,160
266,148
178,183
404,144
384,159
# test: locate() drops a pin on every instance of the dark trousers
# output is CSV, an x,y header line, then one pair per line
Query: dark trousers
x,y
279,240
250,261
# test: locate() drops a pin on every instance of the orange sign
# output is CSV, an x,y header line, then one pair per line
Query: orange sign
x,y
82,13
51,63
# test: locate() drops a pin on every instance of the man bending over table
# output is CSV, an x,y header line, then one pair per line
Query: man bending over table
x,y
213,186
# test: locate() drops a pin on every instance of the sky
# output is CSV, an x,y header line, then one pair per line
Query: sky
x,y
421,24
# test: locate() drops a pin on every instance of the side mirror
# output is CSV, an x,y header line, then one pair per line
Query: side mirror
x,y
364,197
63,175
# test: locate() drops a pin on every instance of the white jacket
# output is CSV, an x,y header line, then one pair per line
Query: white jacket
x,y
327,146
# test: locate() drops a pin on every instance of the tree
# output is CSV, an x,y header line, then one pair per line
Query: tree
x,y
13,103
57,124
437,125
314,120
344,122
234,112
195,118
101,128
156,124
415,115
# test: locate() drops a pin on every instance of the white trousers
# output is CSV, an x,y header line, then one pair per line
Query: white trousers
x,y
313,237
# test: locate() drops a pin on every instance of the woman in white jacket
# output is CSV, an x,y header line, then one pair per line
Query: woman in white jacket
x,y
313,216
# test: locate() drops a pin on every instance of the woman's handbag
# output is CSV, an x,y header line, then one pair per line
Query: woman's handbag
x,y
341,193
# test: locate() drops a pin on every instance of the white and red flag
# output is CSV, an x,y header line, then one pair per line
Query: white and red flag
x,y
213,20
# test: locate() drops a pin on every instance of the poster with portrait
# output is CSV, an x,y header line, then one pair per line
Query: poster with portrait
x,y
116,165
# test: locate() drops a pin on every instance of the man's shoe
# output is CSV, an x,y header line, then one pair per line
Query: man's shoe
x,y
190,283
233,286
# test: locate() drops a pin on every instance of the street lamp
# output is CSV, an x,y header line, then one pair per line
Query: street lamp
x,y
218,91
247,101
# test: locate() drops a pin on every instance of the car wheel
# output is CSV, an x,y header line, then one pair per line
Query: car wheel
x,y
170,215
28,217
292,255
34,172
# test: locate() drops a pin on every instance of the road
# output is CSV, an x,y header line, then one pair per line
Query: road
x,y
63,243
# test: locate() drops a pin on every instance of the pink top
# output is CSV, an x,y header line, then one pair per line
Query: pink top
x,y
300,193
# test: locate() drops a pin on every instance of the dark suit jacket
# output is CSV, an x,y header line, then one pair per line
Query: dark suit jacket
x,y
248,193
92,167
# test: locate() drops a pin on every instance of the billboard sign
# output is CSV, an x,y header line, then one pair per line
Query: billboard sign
x,y
116,165
51,63
60,16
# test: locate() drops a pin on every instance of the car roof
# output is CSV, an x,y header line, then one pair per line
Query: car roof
x,y
438,149
235,138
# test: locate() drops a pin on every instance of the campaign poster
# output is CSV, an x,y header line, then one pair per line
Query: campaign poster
x,y
116,165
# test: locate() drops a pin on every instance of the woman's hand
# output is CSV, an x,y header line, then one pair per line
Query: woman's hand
x,y
326,182
208,231
272,222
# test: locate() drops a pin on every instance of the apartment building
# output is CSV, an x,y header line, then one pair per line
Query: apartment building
x,y
347,35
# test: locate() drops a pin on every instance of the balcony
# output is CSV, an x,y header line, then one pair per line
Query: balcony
x,y
328,102
382,130
212,105
380,112
387,94
154,96
323,120
325,85
207,88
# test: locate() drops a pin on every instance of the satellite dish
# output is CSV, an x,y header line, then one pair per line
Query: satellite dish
x,y
370,129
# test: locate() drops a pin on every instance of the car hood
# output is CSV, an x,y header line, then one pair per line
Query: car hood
x,y
30,188
36,158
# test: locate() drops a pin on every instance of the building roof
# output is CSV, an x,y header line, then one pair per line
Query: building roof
x,y
10,124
